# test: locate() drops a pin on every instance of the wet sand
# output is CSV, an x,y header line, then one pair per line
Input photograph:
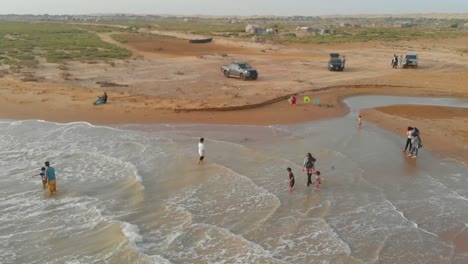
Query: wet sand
x,y
444,129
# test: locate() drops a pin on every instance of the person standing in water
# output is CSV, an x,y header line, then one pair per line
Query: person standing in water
x,y
409,137
308,166
201,150
51,180
43,176
318,180
291,179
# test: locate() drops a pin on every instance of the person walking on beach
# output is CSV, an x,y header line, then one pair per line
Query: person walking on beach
x,y
43,176
318,180
291,179
409,138
50,175
201,150
359,121
309,167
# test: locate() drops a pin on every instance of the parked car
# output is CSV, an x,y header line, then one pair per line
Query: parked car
x,y
240,70
335,63
411,60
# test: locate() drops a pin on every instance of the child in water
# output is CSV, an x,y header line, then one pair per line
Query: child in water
x,y
291,179
318,180
43,176
359,121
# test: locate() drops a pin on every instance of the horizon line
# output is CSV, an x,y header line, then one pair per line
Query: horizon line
x,y
201,15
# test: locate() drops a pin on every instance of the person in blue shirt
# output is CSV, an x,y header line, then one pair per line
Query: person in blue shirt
x,y
50,176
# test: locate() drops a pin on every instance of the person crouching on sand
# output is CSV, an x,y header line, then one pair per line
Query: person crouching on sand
x,y
409,137
291,179
318,180
101,99
293,100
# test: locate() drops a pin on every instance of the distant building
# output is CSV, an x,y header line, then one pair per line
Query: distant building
x,y
254,29
306,31
326,31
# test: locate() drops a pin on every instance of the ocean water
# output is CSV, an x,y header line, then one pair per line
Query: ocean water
x,y
134,194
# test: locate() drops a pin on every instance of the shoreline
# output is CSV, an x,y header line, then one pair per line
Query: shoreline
x,y
28,104
59,103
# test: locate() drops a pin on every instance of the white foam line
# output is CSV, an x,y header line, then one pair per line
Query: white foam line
x,y
459,196
132,233
228,232
412,222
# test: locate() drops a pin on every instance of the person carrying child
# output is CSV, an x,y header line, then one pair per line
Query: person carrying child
x,y
43,176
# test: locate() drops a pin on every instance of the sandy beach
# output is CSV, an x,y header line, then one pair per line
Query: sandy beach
x,y
130,191
179,82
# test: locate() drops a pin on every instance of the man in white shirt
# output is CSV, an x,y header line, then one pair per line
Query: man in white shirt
x,y
201,150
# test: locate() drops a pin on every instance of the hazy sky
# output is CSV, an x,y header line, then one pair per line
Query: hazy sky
x,y
233,7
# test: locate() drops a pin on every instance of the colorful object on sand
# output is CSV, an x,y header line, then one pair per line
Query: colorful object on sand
x,y
316,101
289,101
306,99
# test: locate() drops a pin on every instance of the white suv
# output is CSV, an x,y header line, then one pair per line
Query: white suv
x,y
411,60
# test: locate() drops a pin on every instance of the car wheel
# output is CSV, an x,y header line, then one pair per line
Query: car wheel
x,y
255,78
242,76
226,74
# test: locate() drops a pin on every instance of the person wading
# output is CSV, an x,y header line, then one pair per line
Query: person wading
x,y
309,167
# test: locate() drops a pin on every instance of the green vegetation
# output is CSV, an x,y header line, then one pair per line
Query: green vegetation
x,y
288,34
100,28
204,28
23,43
368,34
120,38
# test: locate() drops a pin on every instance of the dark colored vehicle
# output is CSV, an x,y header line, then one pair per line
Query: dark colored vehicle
x,y
241,70
200,40
335,63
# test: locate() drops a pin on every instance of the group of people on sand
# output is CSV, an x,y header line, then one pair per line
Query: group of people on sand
x,y
413,142
398,62
48,177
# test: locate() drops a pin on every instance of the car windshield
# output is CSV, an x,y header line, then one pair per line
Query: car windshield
x,y
411,57
244,66
335,60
